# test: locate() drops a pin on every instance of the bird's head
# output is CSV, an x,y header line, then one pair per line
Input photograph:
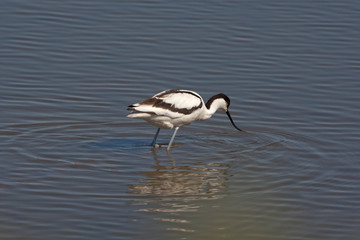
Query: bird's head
x,y
221,101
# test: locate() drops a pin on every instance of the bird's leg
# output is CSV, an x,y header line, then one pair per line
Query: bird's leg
x,y
172,138
155,137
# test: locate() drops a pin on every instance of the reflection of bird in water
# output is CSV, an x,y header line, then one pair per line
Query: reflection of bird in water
x,y
172,191
181,180
187,182
177,108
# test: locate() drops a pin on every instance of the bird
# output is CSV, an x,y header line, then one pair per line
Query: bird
x,y
176,108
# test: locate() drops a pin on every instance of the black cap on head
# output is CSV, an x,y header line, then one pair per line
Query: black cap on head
x,y
217,96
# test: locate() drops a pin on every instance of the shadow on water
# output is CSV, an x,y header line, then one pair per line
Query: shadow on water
x,y
169,190
250,140
123,144
130,144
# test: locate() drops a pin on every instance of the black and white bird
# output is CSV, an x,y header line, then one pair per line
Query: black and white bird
x,y
177,108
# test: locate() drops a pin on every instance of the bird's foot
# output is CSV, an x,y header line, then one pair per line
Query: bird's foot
x,y
160,145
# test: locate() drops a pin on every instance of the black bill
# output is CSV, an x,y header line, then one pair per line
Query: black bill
x,y
232,122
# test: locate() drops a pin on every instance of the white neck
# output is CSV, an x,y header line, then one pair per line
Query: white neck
x,y
218,103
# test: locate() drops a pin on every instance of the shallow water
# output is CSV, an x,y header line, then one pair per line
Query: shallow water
x,y
74,167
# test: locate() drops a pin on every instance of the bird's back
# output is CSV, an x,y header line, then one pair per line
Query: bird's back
x,y
176,107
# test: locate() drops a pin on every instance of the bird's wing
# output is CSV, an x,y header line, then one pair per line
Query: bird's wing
x,y
180,99
170,103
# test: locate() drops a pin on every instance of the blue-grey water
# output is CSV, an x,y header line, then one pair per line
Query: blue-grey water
x,y
74,167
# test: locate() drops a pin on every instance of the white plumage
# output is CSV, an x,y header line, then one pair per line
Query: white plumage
x,y
177,108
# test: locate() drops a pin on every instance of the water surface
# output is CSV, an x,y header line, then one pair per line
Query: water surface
x,y
74,167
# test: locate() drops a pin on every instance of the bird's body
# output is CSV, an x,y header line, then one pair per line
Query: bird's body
x,y
177,108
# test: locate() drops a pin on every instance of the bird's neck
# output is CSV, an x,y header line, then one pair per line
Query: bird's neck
x,y
208,113
210,109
